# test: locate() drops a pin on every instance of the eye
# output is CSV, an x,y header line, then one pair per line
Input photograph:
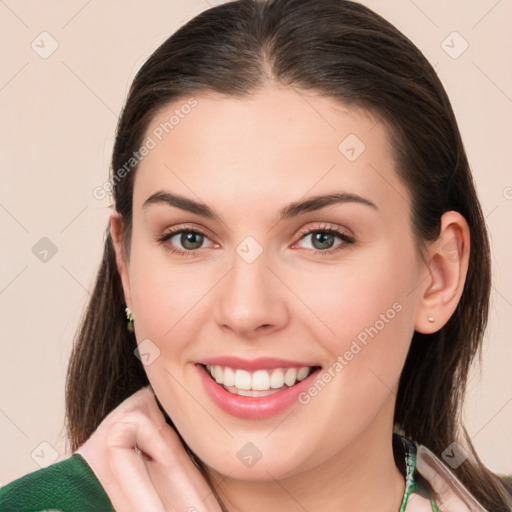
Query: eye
x,y
189,239
323,239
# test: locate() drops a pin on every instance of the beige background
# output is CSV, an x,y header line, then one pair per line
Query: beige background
x,y
57,121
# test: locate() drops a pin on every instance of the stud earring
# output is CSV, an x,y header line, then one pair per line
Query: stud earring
x,y
431,319
129,316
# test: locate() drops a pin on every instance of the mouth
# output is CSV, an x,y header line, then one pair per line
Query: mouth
x,y
255,394
258,383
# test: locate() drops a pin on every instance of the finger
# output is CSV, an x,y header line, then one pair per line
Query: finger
x,y
166,480
178,481
135,489
189,489
99,455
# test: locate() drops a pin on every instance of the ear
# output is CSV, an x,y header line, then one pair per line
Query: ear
x,y
447,260
116,233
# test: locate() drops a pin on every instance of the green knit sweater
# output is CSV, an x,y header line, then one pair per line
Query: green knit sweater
x,y
66,486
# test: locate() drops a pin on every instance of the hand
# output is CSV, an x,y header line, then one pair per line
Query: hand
x,y
159,476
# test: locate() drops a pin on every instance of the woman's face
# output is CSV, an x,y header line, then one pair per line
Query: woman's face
x,y
254,284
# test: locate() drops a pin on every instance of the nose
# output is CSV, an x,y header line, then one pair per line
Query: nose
x,y
252,300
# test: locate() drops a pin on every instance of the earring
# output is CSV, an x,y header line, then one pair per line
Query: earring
x,y
431,319
129,316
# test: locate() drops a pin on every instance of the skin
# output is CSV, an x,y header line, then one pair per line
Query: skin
x,y
247,159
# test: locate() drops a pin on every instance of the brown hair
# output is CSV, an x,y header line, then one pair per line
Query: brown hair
x,y
343,50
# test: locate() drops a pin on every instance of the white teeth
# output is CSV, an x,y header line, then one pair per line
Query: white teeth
x,y
229,377
260,380
277,379
302,373
245,383
290,376
242,379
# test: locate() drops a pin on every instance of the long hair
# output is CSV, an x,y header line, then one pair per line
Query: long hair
x,y
343,50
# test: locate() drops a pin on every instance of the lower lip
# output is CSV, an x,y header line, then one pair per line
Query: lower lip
x,y
254,408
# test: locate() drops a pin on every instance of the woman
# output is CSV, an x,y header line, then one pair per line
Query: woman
x,y
301,255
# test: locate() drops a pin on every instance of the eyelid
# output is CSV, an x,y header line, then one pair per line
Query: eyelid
x,y
325,227
183,227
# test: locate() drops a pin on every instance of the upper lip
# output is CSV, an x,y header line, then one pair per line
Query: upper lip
x,y
260,363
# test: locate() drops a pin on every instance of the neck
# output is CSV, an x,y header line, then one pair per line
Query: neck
x,y
362,477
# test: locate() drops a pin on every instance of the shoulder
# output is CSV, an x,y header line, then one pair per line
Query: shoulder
x,y
68,485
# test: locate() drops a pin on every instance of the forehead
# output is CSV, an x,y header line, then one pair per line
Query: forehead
x,y
276,146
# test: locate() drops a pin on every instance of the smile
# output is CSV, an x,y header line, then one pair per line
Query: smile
x,y
257,383
254,390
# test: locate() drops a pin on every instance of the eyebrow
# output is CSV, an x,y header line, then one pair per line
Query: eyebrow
x,y
291,210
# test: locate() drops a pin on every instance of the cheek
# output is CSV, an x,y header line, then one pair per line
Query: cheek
x,y
366,310
366,326
165,297
167,300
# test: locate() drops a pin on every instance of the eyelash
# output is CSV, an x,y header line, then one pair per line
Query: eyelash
x,y
326,229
